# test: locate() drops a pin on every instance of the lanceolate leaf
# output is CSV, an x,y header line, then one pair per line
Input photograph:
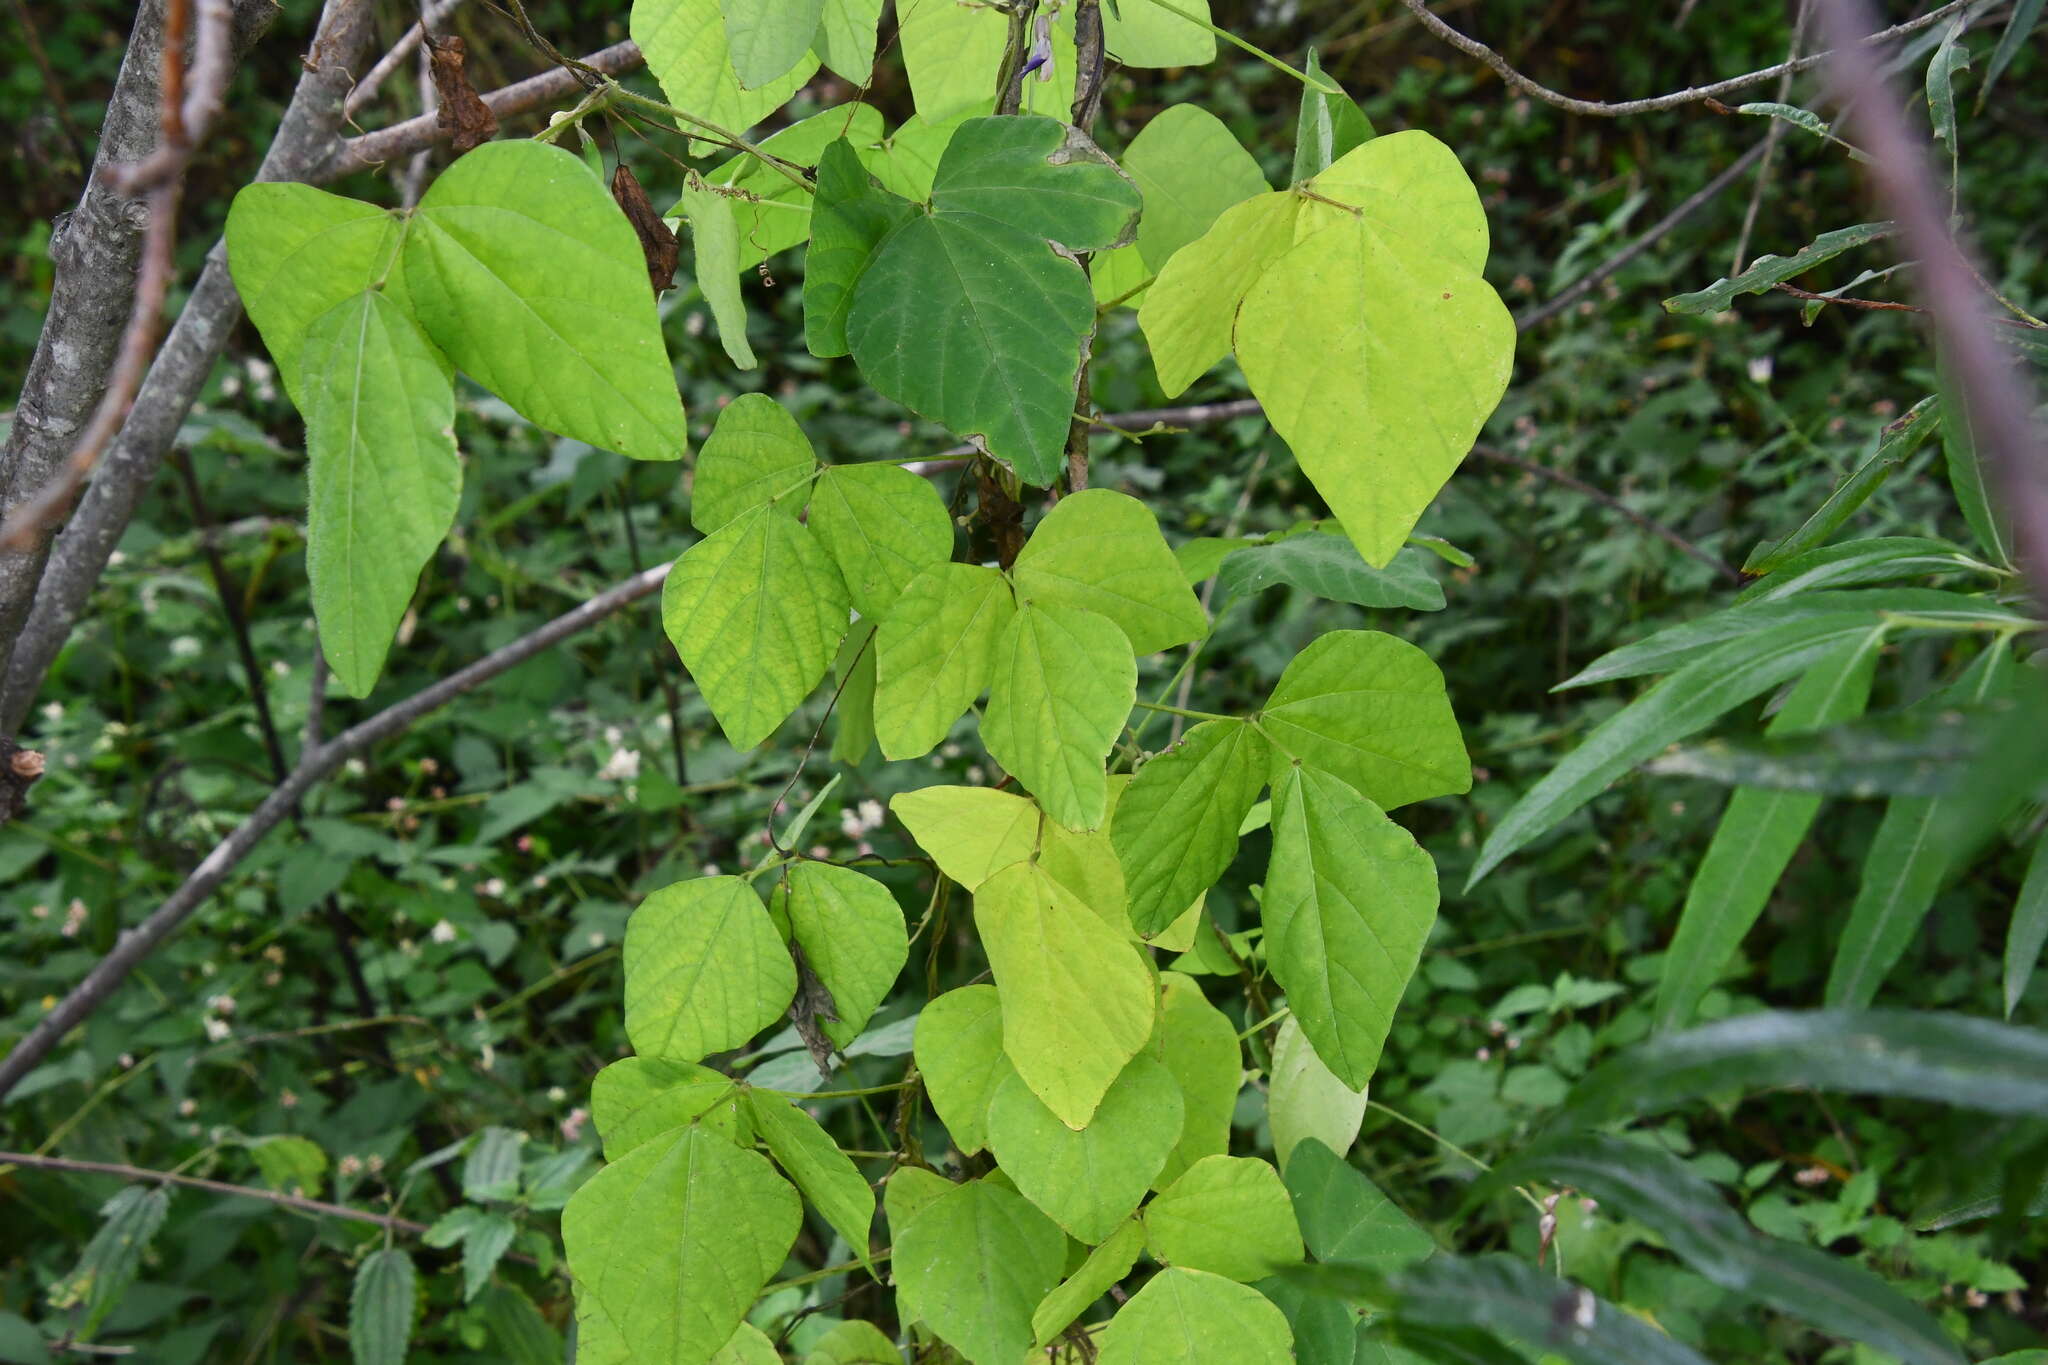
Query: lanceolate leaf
x,y
1101,550
1515,1301
705,969
1769,270
1091,1180
1078,998
882,525
382,474
1650,1187
1898,442
715,260
756,454
756,611
1370,709
709,1224
112,1258
688,52
973,1264
1064,682
1881,559
2029,928
1176,825
852,934
809,1156
380,1308
1349,902
1190,1317
1758,834
525,273
1990,523
935,652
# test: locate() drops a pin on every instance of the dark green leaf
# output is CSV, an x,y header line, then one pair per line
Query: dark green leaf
x,y
1331,567
1515,1301
1769,270
1329,126
1344,1216
380,1310
1897,442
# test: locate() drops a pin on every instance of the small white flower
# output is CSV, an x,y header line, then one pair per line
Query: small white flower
x,y
442,932
595,938
612,735
75,916
280,669
1760,369
871,812
540,881
850,825
375,1164
622,766
354,767
216,1030
556,1094
494,888
53,712
974,775
221,1004
185,647
711,869
349,1166
187,1108
116,559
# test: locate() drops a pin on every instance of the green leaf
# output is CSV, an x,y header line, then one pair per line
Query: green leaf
x,y
973,1264
1766,271
935,652
1189,310
290,1164
1190,168
491,1168
1895,445
1106,1265
1330,567
1350,899
1947,1058
767,38
2025,14
687,50
1369,709
1657,1190
295,254
518,1331
709,1224
382,476
1950,57
381,1308
22,1343
1101,551
110,1261
638,1098
1064,683
756,454
486,1243
853,719
966,314
715,261
1091,1180
705,969
756,611
2029,927
1344,1216
970,832
775,213
1518,1302
909,1191
1078,997
1147,35
1227,1215
1190,1317
748,1345
850,218
523,270
1176,826
1880,559
854,1343
951,53
959,1052
809,1156
1307,1100
1329,126
846,39
882,525
1086,864
1681,704
1990,523
852,934
1198,1044
1340,337
1758,834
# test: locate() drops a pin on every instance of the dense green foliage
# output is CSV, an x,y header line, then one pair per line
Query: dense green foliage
x,y
1203,934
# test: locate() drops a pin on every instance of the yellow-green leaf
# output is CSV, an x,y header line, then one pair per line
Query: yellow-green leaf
x,y
970,832
705,969
935,652
1227,1215
852,934
686,48
973,1263
1190,1317
756,454
1370,709
959,1052
882,525
1198,1044
1101,550
1190,309
637,1098
1176,827
1064,683
1090,1180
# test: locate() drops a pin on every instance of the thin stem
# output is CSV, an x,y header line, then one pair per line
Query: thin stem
x,y
785,169
389,1222
1182,711
1227,36
1440,1140
837,1094
1103,310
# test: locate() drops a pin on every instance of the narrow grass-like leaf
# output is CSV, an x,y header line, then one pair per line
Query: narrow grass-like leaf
x,y
2029,927
1898,442
1769,270
1515,1301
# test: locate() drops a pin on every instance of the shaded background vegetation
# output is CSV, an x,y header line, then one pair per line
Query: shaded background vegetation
x,y
435,951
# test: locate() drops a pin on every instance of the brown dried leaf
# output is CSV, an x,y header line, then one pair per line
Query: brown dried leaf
x,y
463,115
657,242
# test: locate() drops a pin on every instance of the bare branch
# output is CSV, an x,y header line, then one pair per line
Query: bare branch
x,y
290,1201
1472,47
407,44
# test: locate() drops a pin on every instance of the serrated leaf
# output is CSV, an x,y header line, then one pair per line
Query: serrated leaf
x,y
1190,1317
959,1052
1329,125
296,253
715,262
524,272
1350,900
1227,1215
686,47
521,1335
1105,1266
850,218
973,1264
1331,568
1369,709
935,652
1651,1187
1189,310
756,454
491,1168
765,39
710,1224
382,475
486,1243
1143,34
1512,1299
1767,270
756,610
882,525
852,934
638,1098
809,1156
1176,830
1078,998
290,1164
1088,1181
705,969
1101,551
1756,838
129,1222
1305,1099
1198,1044
951,53
1345,1217
1063,685
1340,337
380,1308
970,832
